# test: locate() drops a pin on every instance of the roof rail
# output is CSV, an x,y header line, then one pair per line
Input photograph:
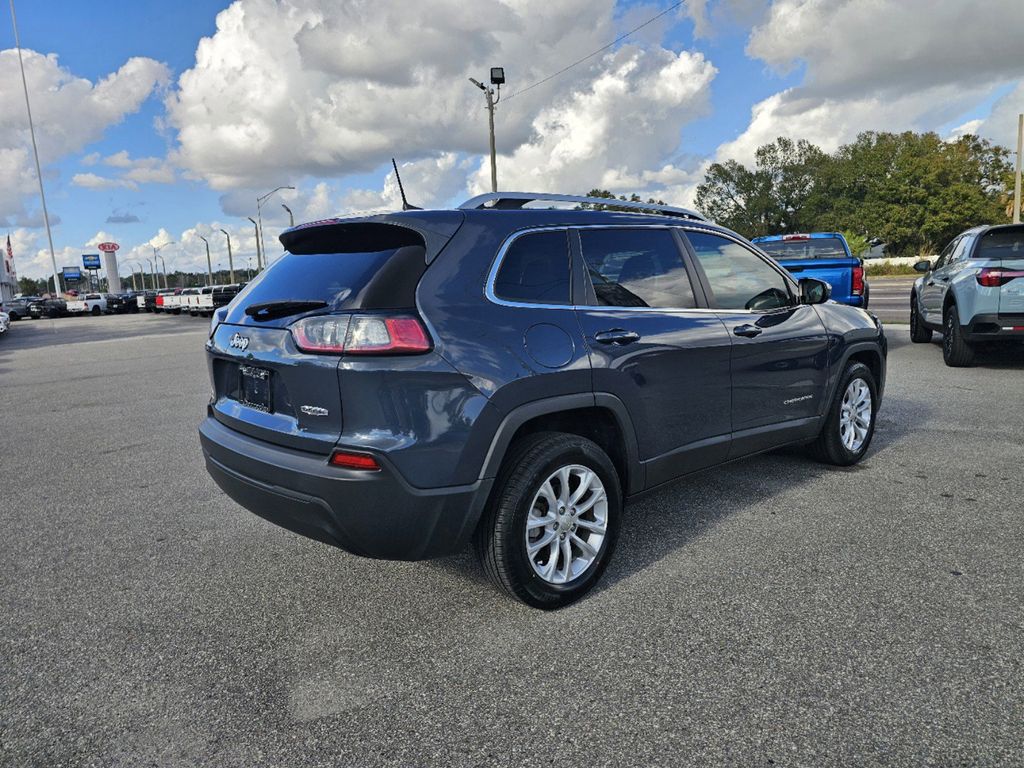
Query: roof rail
x,y
516,200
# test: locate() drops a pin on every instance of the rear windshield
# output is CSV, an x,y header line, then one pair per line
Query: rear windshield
x,y
816,248
383,279
1001,244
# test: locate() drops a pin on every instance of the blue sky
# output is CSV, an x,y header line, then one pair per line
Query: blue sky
x,y
320,95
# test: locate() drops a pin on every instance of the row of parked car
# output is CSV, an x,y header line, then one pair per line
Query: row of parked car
x,y
194,301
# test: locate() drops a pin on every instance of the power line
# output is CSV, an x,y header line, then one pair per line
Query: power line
x,y
619,39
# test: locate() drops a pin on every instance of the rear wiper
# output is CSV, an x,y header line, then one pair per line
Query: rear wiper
x,y
274,309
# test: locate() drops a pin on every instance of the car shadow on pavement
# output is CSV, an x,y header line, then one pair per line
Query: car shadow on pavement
x,y
994,355
667,520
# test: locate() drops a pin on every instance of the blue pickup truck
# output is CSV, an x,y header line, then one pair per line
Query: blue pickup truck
x,y
823,256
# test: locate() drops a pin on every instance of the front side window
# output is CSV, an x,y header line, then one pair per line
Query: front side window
x,y
636,268
943,259
738,277
535,269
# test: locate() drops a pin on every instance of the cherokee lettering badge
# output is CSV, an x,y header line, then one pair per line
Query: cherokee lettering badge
x,y
238,341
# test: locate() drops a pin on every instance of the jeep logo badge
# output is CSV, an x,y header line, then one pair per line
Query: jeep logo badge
x,y
238,341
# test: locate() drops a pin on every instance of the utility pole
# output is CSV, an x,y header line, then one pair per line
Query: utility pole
x,y
1016,173
493,96
259,264
231,260
156,255
35,152
209,264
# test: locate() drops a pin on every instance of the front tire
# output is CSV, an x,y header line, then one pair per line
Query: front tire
x,y
552,521
919,334
850,423
957,352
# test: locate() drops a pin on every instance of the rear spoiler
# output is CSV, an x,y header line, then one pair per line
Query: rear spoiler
x,y
431,229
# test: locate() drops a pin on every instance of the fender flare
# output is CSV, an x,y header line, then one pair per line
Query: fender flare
x,y
552,405
850,351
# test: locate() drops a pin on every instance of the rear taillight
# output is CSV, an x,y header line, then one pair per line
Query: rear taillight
x,y
857,285
994,277
353,460
361,334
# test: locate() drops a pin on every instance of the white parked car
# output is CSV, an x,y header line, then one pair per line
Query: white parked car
x,y
91,303
5,322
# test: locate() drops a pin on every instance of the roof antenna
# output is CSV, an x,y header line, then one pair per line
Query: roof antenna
x,y
405,203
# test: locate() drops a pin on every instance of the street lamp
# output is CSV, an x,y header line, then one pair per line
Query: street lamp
x,y
152,273
259,265
493,96
231,260
209,264
291,216
259,228
156,254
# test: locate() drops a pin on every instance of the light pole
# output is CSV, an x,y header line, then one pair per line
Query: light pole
x,y
493,96
35,152
209,264
152,273
142,273
156,254
259,227
291,216
1016,173
231,260
164,263
259,264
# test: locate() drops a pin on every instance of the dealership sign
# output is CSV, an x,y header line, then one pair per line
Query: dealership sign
x,y
72,274
91,260
108,247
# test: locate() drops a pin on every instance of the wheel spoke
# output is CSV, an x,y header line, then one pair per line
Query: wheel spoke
x,y
563,480
539,544
549,568
548,494
567,556
585,479
587,505
596,526
585,547
537,522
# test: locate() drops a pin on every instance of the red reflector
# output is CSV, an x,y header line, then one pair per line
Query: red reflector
x,y
857,287
786,238
349,460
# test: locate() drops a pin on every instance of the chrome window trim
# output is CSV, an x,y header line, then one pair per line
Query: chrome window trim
x,y
500,256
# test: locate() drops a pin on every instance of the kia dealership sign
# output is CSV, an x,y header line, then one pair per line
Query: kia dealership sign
x,y
108,247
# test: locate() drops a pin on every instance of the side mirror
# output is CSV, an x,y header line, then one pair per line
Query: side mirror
x,y
814,291
923,266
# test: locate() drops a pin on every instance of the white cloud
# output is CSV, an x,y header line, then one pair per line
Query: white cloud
x,y
94,181
324,89
615,133
69,113
893,65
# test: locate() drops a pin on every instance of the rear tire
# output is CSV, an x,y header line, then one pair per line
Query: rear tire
x,y
96,312
532,517
850,423
957,352
919,334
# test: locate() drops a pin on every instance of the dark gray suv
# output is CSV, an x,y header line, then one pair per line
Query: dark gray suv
x,y
401,385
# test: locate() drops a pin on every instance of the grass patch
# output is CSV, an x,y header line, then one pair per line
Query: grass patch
x,y
889,270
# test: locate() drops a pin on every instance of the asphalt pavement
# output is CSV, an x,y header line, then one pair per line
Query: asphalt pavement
x,y
890,298
771,612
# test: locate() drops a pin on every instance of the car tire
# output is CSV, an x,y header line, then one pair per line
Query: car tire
x,y
96,312
867,296
957,352
919,334
532,479
846,434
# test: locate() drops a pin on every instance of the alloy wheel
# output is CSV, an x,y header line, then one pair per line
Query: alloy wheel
x,y
855,415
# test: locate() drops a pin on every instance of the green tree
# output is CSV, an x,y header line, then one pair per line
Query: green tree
x,y
30,287
604,193
769,199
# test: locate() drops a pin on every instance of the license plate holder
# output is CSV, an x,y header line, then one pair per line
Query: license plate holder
x,y
254,387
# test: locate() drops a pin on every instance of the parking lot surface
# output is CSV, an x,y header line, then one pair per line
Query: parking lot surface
x,y
770,612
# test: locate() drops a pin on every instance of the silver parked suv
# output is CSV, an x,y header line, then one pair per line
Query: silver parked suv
x,y
974,292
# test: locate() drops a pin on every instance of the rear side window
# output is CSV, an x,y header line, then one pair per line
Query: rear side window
x,y
738,277
636,268
535,269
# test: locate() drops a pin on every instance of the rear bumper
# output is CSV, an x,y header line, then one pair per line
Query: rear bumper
x,y
995,327
373,514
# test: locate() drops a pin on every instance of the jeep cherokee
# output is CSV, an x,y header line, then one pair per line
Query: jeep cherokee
x,y
403,384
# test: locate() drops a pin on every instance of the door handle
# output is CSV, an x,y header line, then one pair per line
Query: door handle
x,y
930,283
747,330
616,336
943,279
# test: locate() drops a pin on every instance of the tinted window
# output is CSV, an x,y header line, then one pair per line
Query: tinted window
x,y
809,248
944,256
535,269
1005,243
636,268
738,277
